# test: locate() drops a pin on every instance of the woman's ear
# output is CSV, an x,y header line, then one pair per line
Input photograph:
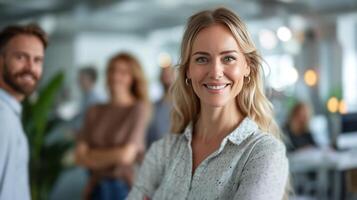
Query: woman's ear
x,y
188,74
246,70
247,66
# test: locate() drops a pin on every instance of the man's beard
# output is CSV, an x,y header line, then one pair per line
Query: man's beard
x,y
11,80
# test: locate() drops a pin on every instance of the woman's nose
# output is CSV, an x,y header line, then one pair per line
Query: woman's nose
x,y
216,70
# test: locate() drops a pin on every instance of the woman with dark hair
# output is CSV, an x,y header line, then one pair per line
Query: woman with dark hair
x,y
297,128
112,140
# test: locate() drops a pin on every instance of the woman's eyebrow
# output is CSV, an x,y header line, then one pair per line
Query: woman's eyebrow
x,y
200,52
228,51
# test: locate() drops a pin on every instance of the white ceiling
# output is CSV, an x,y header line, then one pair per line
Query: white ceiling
x,y
144,16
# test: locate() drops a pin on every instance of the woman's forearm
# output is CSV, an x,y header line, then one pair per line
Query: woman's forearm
x,y
103,158
82,158
125,155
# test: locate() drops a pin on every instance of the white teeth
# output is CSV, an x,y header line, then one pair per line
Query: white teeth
x,y
27,78
215,87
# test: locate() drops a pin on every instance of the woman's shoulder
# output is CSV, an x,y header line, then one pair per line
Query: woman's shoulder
x,y
267,144
169,139
142,104
167,143
271,141
99,106
95,109
141,107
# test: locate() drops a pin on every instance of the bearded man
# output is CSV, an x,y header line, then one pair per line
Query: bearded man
x,y
21,59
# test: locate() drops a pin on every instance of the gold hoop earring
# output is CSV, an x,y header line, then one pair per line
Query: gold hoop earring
x,y
187,81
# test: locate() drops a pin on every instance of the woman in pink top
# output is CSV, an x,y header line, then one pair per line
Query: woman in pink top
x,y
112,139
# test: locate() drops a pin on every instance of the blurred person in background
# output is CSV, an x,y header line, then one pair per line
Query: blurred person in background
x,y
112,140
297,128
22,50
87,78
160,124
224,142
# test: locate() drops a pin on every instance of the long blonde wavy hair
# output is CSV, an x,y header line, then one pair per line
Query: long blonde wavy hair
x,y
251,100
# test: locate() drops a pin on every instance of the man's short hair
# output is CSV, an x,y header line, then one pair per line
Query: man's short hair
x,y
11,31
91,72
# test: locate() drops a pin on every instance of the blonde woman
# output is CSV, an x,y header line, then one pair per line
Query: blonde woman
x,y
112,139
224,142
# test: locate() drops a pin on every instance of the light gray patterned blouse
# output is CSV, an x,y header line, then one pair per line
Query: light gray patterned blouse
x,y
249,165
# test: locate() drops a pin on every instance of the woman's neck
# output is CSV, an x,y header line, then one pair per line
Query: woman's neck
x,y
122,99
217,122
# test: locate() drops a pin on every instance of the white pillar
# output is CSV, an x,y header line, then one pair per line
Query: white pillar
x,y
347,32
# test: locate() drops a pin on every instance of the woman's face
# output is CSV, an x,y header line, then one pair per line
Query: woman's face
x,y
217,66
302,116
120,77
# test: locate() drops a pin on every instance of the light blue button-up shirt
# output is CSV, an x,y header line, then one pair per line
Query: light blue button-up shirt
x,y
14,181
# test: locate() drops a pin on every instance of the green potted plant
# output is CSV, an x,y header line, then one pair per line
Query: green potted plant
x,y
45,160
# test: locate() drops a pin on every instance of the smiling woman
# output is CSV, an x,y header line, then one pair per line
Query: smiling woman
x,y
225,143
111,142
217,69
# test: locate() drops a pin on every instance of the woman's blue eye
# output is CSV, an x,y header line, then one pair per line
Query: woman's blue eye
x,y
229,58
201,60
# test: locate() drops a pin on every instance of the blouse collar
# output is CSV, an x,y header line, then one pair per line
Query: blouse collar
x,y
245,129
